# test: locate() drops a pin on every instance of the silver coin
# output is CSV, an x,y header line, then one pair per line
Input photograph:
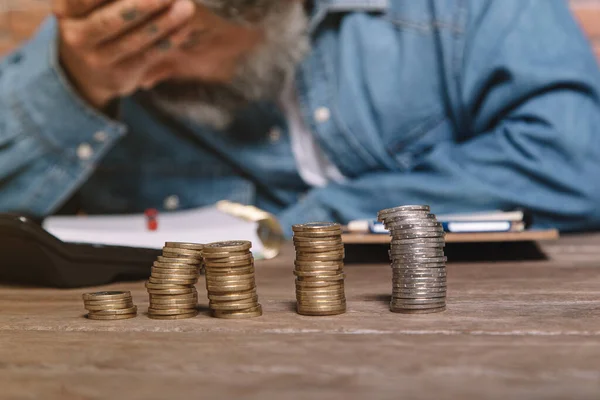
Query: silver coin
x,y
417,306
427,252
411,241
395,229
398,273
397,209
413,301
407,218
405,277
414,224
417,258
419,285
418,294
418,235
414,265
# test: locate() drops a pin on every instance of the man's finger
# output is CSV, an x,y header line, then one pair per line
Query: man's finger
x,y
118,17
164,33
75,8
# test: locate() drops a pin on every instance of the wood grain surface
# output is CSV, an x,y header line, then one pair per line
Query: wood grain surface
x,y
513,330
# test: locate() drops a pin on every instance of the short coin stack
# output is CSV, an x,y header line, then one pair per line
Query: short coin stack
x,y
109,305
319,269
230,280
418,261
171,284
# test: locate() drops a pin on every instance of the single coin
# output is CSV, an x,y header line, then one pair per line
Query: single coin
x,y
150,285
250,313
420,265
405,208
172,311
406,242
319,249
230,288
234,305
227,254
175,266
179,260
316,284
231,258
175,302
301,311
130,310
423,311
318,235
396,229
115,306
317,273
188,296
420,300
414,224
174,276
310,242
232,296
317,226
314,302
111,317
171,317
321,293
398,304
322,278
112,295
315,264
182,307
172,291
107,302
229,278
179,281
229,264
234,245
236,271
179,252
333,256
190,246
417,235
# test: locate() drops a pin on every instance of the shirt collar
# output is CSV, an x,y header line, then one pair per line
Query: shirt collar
x,y
322,7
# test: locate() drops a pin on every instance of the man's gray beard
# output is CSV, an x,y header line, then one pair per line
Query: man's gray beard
x,y
260,76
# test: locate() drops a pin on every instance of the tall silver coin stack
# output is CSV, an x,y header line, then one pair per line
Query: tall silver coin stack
x,y
417,259
319,269
230,280
171,286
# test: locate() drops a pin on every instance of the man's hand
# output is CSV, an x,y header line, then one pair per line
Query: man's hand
x,y
111,48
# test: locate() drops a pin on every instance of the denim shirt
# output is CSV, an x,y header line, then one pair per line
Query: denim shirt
x,y
465,105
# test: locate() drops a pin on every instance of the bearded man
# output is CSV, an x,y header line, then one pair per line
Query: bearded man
x,y
329,110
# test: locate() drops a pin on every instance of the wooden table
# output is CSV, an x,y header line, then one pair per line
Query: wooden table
x,y
513,330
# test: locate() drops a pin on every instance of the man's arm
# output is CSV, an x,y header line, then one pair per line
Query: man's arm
x,y
50,140
531,102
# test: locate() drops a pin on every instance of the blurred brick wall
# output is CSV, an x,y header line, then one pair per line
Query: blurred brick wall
x,y
19,18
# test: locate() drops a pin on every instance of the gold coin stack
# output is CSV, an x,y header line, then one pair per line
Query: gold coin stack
x,y
109,305
230,280
319,269
171,284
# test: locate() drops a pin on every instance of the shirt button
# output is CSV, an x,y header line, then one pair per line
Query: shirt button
x,y
322,114
85,151
172,202
275,135
100,136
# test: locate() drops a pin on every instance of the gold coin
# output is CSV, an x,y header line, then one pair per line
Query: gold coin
x,y
150,285
181,307
335,292
334,256
316,284
177,252
171,311
227,254
172,291
230,271
318,235
130,310
317,226
228,264
107,302
177,281
175,266
232,296
116,306
320,313
179,260
112,295
302,264
319,309
174,276
174,302
299,240
250,313
230,288
215,257
229,278
233,305
319,249
190,246
171,317
188,296
313,274
321,278
232,245
111,317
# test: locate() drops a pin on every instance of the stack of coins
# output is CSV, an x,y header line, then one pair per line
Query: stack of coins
x,y
171,284
319,269
230,280
109,305
417,257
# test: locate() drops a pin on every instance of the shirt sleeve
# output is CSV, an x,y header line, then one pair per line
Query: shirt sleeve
x,y
50,139
530,112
